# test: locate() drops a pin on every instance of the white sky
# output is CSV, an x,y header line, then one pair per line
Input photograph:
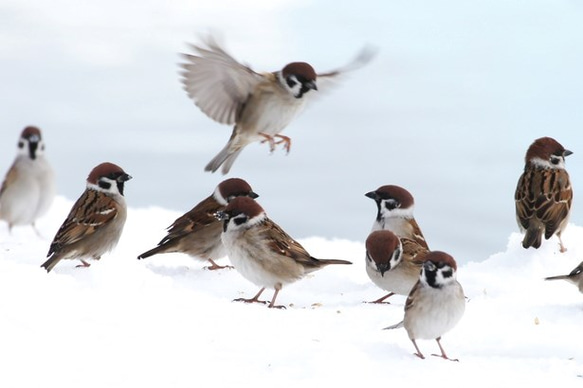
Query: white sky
x,y
448,108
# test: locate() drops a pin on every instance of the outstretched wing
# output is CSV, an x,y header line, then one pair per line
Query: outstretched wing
x,y
216,82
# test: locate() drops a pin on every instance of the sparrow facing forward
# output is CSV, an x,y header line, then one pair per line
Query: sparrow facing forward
x,y
198,232
575,277
261,251
393,264
544,194
260,105
29,187
436,302
95,222
395,213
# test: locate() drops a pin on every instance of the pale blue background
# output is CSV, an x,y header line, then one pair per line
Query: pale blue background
x,y
458,91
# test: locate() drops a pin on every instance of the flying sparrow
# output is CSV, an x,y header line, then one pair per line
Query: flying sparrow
x,y
198,233
261,251
395,213
260,105
29,187
575,277
436,302
544,194
94,224
393,264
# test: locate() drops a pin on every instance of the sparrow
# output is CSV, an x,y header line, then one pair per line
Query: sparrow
x,y
575,277
393,264
29,187
259,105
435,304
395,213
197,232
95,222
543,194
261,251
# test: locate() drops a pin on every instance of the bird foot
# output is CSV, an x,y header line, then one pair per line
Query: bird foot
x,y
285,140
214,266
445,357
251,300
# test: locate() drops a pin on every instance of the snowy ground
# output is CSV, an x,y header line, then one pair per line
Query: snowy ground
x,y
166,322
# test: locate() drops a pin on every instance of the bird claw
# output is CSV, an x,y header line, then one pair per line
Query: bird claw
x,y
445,357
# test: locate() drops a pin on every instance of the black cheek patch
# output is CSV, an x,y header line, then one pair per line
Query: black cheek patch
x,y
447,273
104,185
431,276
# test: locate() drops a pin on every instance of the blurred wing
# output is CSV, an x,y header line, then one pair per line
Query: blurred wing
x,y
92,211
216,82
327,80
10,178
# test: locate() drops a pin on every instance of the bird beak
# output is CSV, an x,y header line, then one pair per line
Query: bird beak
x,y
372,195
383,267
311,85
253,195
124,178
32,147
567,153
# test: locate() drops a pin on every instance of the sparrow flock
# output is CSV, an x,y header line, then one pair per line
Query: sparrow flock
x,y
231,222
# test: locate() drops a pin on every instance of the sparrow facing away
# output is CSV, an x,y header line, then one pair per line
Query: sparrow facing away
x,y
29,187
436,302
261,251
393,264
198,232
544,194
260,105
95,222
395,213
575,277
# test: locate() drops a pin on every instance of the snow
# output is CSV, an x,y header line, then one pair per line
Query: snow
x,y
167,322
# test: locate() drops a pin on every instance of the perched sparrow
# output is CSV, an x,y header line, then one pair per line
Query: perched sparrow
x,y
543,195
393,264
395,213
260,105
575,277
436,302
94,224
261,251
198,233
29,187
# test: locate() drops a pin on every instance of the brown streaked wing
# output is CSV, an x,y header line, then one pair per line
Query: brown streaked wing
x,y
91,211
559,195
197,218
410,299
280,241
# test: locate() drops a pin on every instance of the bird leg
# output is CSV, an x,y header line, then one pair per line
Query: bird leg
x,y
255,299
83,264
214,266
443,355
418,354
381,299
272,303
562,248
286,142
